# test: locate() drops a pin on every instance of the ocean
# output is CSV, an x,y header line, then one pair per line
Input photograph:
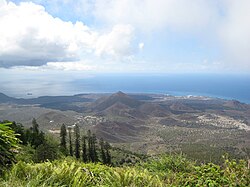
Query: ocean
x,y
222,86
235,87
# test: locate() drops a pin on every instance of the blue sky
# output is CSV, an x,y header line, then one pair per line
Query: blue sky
x,y
125,36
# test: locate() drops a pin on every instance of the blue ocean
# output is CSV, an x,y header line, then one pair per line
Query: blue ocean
x,y
235,87
222,86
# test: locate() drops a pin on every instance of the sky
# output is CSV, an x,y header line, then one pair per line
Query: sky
x,y
125,36
48,45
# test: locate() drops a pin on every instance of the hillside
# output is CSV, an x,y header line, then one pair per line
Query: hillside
x,y
5,99
119,97
145,123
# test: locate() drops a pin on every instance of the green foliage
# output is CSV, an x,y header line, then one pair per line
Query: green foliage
x,y
19,129
105,153
70,172
122,157
49,150
70,141
92,150
166,170
63,135
231,174
8,145
36,137
107,147
84,149
45,152
132,177
77,141
176,170
236,172
26,153
169,163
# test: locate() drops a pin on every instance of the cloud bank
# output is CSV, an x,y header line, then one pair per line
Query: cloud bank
x,y
31,36
153,15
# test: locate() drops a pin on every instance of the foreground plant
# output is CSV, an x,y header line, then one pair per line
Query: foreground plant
x,y
167,170
8,146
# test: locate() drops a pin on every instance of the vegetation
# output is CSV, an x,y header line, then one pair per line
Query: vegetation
x,y
167,170
47,163
63,135
35,136
70,141
77,141
203,130
8,144
84,149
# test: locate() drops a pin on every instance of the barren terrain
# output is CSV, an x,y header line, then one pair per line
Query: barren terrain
x,y
203,128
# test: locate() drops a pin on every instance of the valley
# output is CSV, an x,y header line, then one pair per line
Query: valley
x,y
203,128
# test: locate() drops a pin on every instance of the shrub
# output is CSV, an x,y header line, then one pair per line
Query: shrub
x,y
8,146
167,170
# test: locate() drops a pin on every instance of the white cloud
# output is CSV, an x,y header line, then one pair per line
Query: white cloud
x,y
234,33
157,14
223,24
117,42
69,66
31,36
141,45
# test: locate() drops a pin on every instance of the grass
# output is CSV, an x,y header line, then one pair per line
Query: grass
x,y
166,170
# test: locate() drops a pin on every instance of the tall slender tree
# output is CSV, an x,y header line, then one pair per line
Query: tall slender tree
x,y
34,133
103,154
108,155
35,126
84,149
63,135
94,144
90,147
37,137
70,141
77,141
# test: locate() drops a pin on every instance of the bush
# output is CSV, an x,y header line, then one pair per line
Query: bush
x,y
232,173
169,163
167,170
8,146
70,172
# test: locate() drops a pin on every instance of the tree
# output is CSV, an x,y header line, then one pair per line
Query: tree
x,y
94,142
70,141
108,155
103,154
90,147
63,135
93,157
19,129
45,152
35,126
8,145
49,150
84,150
28,135
36,137
77,141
